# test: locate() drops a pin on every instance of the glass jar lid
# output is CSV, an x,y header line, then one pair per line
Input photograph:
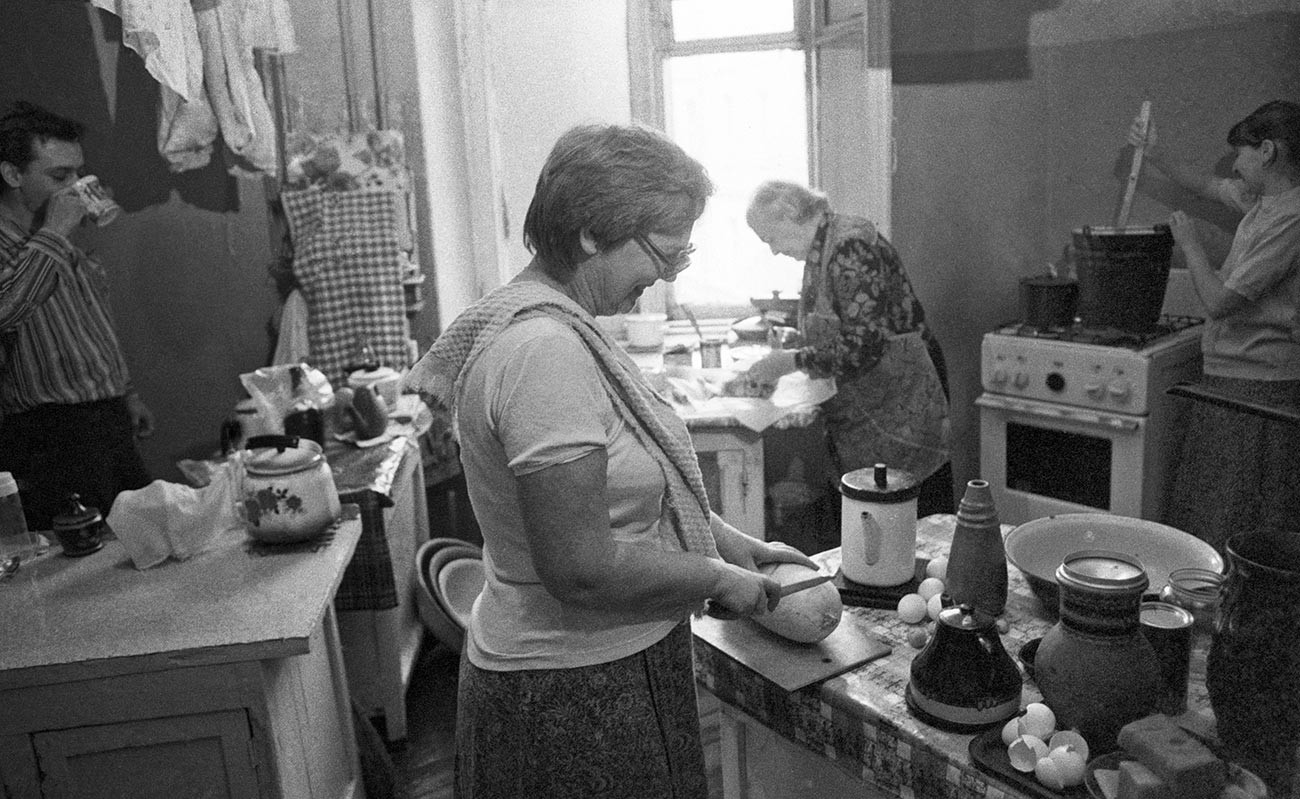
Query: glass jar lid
x,y
1102,570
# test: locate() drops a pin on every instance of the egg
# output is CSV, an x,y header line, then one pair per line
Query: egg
x,y
918,637
1038,720
1010,731
1069,739
1069,767
1048,772
1025,752
929,587
935,605
911,608
1003,626
937,568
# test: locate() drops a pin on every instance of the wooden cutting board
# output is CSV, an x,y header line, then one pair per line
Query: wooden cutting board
x,y
789,664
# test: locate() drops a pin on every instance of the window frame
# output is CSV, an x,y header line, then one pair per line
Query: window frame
x,y
864,26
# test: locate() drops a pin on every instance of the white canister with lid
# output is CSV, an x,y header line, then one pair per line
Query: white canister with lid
x,y
878,525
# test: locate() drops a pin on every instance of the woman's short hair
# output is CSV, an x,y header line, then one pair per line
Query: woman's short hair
x,y
793,201
615,182
24,123
1278,120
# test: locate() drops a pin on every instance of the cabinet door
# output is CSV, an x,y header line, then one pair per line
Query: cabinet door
x,y
203,755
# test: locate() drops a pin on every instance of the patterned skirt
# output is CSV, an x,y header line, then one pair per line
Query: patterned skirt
x,y
628,729
1236,472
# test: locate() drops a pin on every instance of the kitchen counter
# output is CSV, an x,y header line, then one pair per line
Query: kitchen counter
x,y
219,673
857,724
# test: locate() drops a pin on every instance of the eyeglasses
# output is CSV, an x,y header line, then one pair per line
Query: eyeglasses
x,y
667,266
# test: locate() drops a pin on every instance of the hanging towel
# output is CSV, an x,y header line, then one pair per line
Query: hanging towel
x,y
163,32
268,25
235,90
187,130
292,345
347,263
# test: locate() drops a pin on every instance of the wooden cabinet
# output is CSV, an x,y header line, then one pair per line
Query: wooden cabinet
x,y
219,676
731,460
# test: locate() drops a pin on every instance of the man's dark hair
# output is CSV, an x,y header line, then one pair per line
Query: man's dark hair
x,y
25,123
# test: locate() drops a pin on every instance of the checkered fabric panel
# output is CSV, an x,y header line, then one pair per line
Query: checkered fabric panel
x,y
347,260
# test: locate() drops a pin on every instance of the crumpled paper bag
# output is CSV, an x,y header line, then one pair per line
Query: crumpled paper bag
x,y
275,389
165,519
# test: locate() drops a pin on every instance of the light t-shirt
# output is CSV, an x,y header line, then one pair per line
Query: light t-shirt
x,y
534,399
1259,342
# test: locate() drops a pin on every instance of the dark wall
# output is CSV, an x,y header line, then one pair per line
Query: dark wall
x,y
188,260
1009,136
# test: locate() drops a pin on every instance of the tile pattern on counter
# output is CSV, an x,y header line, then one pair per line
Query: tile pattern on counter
x,y
859,721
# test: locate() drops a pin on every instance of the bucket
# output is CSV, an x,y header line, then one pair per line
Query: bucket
x,y
1123,273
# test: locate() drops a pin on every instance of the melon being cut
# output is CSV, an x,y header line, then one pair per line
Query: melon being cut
x,y
807,616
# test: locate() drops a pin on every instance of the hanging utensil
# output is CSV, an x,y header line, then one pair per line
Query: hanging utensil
x,y
1144,119
690,315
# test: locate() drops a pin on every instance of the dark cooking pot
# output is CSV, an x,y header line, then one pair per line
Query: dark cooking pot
x,y
1047,301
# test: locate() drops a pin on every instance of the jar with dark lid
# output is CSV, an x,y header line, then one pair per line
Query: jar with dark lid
x,y
1094,667
80,529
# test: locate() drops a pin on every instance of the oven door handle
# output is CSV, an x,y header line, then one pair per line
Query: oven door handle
x,y
1045,411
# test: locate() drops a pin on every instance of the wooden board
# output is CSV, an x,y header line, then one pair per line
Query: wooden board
x,y
789,664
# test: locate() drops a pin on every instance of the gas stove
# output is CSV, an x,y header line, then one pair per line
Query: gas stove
x,y
1103,369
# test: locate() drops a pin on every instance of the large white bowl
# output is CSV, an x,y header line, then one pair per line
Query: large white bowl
x,y
1037,547
435,615
459,583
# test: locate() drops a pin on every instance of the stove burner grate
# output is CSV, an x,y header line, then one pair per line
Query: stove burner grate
x,y
1103,336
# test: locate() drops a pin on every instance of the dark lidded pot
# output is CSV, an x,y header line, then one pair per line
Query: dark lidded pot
x,y
1094,667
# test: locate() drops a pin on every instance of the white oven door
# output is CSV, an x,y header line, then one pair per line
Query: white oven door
x,y
1044,458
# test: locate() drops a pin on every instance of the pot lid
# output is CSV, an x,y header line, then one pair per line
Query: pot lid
x,y
879,483
373,375
276,455
966,617
75,514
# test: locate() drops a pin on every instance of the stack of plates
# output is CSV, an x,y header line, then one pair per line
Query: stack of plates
x,y
449,573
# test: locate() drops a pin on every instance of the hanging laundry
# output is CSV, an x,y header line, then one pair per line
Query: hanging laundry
x,y
347,263
234,88
164,33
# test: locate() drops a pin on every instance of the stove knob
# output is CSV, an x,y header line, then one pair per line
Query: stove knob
x,y
999,377
1094,390
1021,380
1120,389
1056,382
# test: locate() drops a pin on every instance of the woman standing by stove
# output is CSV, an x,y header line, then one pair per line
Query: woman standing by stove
x,y
1238,471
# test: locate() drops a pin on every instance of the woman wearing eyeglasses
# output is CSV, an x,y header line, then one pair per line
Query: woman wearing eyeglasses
x,y
576,678
1238,472
861,323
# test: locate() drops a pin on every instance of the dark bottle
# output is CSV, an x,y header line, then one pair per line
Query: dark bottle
x,y
977,561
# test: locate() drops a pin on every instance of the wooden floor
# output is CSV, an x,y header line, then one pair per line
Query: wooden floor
x,y
421,766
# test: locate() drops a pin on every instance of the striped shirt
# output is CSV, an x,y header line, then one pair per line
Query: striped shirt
x,y
57,343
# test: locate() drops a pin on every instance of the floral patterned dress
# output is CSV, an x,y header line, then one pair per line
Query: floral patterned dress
x,y
863,325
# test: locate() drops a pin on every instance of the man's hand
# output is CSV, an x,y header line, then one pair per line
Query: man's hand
x,y
141,417
64,211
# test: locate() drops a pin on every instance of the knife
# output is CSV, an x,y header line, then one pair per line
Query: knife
x,y
717,611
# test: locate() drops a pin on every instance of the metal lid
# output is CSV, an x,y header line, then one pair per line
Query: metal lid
x,y
879,483
75,515
966,617
1165,616
1102,570
277,455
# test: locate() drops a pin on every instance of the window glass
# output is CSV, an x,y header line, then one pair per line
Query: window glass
x,y
743,115
712,19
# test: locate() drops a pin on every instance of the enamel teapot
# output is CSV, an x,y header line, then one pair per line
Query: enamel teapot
x,y
288,492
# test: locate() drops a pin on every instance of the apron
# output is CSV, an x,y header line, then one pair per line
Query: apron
x,y
897,413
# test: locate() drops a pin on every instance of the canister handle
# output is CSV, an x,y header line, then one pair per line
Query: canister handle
x,y
279,442
872,538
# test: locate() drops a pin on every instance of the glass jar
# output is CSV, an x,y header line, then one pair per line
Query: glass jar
x,y
1199,592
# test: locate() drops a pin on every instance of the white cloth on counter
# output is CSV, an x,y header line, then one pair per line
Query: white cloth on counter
x,y
171,520
163,32
702,393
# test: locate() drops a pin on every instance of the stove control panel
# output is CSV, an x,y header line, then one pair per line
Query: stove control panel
x,y
1086,375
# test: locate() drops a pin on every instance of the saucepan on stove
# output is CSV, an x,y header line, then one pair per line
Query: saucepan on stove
x,y
1048,301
